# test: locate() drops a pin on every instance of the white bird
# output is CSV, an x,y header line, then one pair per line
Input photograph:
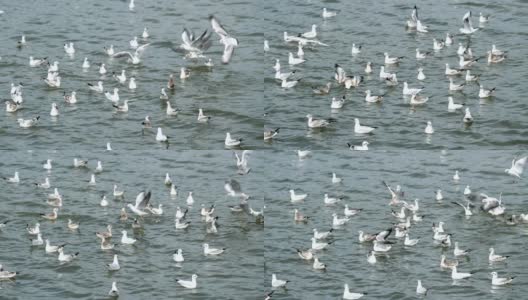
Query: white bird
x,y
350,295
305,254
451,106
317,265
421,75
391,60
410,91
456,177
178,256
455,87
319,245
414,18
132,84
385,75
145,33
496,280
50,248
229,42
517,167
113,97
355,49
293,60
289,84
170,111
318,123
408,241
468,119
420,290
438,195
459,252
121,108
373,98
467,190
99,167
277,283
455,275
231,142
38,241
360,129
483,18
142,200
448,39
160,137
188,284
173,191
371,258
303,153
109,51
330,200
69,49
97,88
467,208
485,93
102,69
103,202
72,225
212,251
125,239
120,78
297,197
114,291
66,257
311,34
438,44
362,147
92,180
134,43
351,211
429,128
266,46
451,72
492,257
421,55
468,27
27,123
37,62
86,63
335,179
421,27
114,266
328,14
368,68
7,275
337,222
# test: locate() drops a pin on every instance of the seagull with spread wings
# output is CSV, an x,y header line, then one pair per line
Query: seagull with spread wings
x,y
229,42
142,200
132,58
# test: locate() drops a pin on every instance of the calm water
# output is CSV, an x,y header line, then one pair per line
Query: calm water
x,y
380,27
147,268
419,173
228,93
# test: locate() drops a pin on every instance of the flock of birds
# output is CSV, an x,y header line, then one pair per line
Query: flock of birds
x,y
194,47
408,216
413,93
131,216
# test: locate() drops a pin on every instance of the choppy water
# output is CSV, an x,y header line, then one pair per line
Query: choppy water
x,y
380,27
228,93
147,268
420,173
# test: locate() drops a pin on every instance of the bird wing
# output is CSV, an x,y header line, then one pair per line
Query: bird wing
x,y
142,199
467,21
228,53
141,49
186,37
217,27
520,164
414,15
122,53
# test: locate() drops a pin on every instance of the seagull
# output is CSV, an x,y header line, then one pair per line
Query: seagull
x,y
358,128
451,72
231,142
368,68
178,256
335,179
455,275
114,291
283,76
381,247
305,254
125,239
22,42
372,98
328,14
160,137
266,46
269,134
303,153
98,88
188,284
362,147
351,212
113,97
171,111
517,167
447,264
289,84
72,225
420,290
438,44
485,93
468,119
385,75
391,60
496,280
421,75
37,62
50,248
114,266
228,41
420,27
297,197
69,49
195,45
331,200
109,51
86,63
105,234
212,251
495,257
322,90
467,209
414,18
355,49
468,27
337,222
317,265
459,252
51,216
318,123
299,217
277,283
455,87
410,242
410,91
38,241
421,55
7,275
310,34
66,257
121,108
351,296
294,61
371,258
142,200
429,128
494,58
